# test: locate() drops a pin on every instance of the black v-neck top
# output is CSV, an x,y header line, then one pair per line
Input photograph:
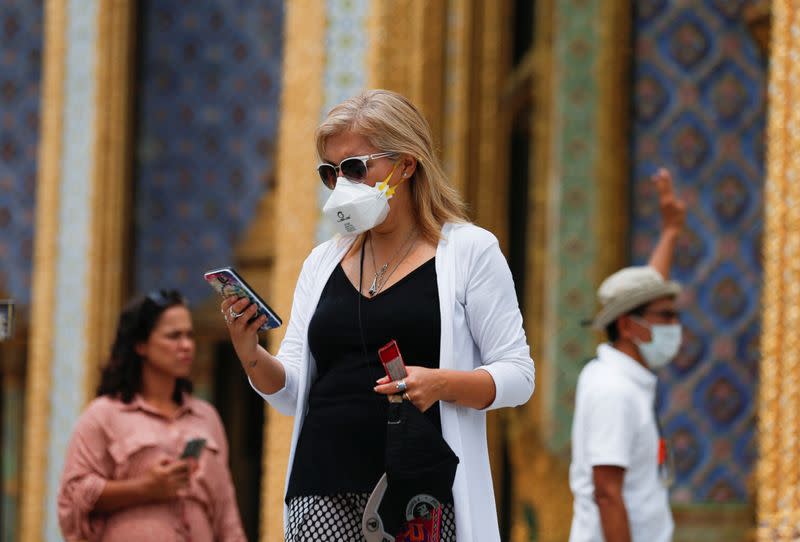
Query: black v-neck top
x,y
342,441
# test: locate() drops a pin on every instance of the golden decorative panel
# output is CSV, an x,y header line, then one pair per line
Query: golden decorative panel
x,y
456,108
37,412
295,215
111,186
109,197
778,471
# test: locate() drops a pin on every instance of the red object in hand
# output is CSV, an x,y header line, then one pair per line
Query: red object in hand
x,y
389,355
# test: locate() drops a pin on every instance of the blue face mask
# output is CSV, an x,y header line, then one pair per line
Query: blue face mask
x,y
664,343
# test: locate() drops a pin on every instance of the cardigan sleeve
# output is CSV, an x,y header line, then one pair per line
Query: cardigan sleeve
x,y
495,322
290,353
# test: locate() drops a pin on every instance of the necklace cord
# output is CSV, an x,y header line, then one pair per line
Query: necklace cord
x,y
360,324
379,281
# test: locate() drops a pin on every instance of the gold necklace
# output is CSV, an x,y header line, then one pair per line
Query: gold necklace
x,y
379,281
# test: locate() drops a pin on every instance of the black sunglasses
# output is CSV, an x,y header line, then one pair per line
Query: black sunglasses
x,y
354,168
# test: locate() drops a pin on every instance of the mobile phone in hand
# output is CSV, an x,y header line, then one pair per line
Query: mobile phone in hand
x,y
228,282
193,448
392,361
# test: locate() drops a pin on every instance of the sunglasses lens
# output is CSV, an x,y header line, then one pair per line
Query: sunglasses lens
x,y
328,175
354,169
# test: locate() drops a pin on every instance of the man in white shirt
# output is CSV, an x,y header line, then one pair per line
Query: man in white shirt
x,y
617,474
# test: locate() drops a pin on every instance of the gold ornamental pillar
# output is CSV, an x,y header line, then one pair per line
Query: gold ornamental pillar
x,y
577,68
778,471
82,196
295,218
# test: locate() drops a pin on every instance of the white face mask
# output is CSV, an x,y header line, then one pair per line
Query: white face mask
x,y
663,346
357,207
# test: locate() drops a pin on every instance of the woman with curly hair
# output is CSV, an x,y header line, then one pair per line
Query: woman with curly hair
x,y
124,478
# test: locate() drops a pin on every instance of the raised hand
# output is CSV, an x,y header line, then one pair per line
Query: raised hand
x,y
673,209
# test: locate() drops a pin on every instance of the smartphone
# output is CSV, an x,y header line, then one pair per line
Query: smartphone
x,y
193,448
228,282
392,361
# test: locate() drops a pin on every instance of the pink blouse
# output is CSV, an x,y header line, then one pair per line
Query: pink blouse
x,y
117,441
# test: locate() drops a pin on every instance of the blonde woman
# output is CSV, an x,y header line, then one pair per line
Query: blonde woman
x,y
407,266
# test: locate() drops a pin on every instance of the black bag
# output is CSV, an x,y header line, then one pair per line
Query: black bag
x,y
420,466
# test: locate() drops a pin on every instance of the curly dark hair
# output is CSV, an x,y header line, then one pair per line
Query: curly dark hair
x,y
122,376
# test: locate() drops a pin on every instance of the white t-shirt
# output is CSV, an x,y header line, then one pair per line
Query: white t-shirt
x,y
615,424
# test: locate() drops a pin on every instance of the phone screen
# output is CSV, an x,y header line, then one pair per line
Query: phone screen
x,y
193,448
228,282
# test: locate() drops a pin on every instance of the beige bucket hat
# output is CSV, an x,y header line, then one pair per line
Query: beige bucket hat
x,y
630,288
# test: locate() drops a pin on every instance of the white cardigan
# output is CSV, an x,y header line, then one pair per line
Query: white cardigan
x,y
477,299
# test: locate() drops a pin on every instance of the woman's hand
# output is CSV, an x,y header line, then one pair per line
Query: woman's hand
x,y
244,336
166,479
423,386
263,369
473,389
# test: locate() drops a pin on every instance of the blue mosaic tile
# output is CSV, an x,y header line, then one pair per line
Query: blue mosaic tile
x,y
711,135
20,75
209,89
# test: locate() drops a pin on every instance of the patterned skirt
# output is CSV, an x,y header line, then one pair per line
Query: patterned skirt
x,y
337,518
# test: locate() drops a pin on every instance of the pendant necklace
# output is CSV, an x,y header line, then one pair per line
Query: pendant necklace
x,y
380,280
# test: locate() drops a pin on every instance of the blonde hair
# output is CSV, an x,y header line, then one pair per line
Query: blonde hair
x,y
392,123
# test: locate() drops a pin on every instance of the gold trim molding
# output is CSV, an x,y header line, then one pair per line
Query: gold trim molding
x,y
111,196
45,255
541,473
613,175
390,66
778,470
108,231
492,126
295,215
456,109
